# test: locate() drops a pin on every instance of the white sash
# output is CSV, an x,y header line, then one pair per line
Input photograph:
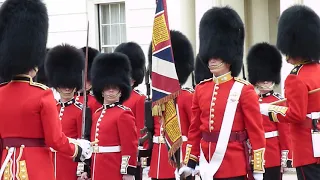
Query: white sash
x,y
208,170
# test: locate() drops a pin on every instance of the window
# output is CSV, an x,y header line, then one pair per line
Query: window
x,y
112,26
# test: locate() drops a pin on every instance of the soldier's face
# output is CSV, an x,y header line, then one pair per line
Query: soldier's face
x,y
218,67
66,92
111,94
265,85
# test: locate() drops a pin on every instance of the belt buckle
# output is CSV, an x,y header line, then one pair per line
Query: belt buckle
x,y
96,149
161,140
143,161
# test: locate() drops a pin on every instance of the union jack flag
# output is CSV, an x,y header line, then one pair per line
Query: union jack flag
x,y
165,83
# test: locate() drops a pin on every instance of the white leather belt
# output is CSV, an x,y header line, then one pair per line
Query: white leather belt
x,y
106,149
314,115
271,134
161,140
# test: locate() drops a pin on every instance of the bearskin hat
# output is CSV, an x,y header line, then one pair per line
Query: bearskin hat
x,y
264,63
137,60
221,35
92,53
111,69
23,36
41,75
63,66
201,71
299,33
182,54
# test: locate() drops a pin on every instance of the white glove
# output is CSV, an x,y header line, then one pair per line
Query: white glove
x,y
186,171
86,147
264,109
176,174
127,177
146,170
197,170
258,176
284,158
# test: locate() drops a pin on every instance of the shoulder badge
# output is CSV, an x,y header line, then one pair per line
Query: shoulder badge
x,y
124,107
39,85
241,81
3,84
296,69
91,93
190,90
206,80
138,92
277,95
78,105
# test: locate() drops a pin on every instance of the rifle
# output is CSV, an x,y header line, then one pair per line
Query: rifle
x,y
86,112
243,73
148,119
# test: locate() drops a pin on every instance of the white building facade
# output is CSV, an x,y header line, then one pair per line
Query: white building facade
x,y
112,22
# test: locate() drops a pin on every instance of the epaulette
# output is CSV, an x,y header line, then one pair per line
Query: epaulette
x,y
42,86
3,84
296,69
241,81
124,107
99,109
205,80
78,105
190,90
277,95
138,92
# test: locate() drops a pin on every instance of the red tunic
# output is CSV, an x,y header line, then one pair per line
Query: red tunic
x,y
247,118
114,125
28,110
136,104
275,145
70,115
92,102
160,167
301,80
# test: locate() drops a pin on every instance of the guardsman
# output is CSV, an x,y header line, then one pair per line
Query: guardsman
x,y
137,99
115,156
264,64
201,71
30,122
93,104
160,167
302,49
225,109
63,66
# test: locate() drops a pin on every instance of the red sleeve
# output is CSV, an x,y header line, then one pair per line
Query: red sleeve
x,y
296,93
194,134
53,135
187,107
140,114
254,125
284,132
79,124
129,142
249,101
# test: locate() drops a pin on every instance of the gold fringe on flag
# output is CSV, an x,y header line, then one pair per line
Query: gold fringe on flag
x,y
172,127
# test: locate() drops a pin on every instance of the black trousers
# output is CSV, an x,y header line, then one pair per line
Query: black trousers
x,y
273,173
308,172
138,175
